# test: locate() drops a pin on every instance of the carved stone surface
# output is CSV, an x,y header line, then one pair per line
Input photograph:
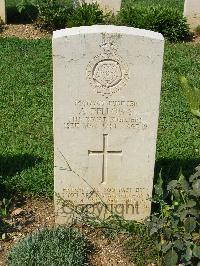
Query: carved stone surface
x,y
3,10
107,83
107,73
192,12
107,5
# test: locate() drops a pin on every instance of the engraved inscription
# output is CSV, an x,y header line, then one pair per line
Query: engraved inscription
x,y
107,72
105,152
105,115
122,201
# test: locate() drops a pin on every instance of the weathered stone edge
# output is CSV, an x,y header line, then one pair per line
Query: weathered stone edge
x,y
107,29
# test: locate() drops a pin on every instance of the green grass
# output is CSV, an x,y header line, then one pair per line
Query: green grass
x,y
26,162
179,131
26,116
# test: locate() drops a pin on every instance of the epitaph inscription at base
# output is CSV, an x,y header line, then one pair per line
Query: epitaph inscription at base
x,y
107,83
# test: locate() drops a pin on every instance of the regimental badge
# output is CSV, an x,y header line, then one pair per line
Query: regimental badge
x,y
107,72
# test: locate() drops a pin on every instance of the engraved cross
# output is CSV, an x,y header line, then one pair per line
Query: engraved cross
x,y
105,152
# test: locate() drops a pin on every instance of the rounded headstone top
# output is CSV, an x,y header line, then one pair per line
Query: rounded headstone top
x,y
107,29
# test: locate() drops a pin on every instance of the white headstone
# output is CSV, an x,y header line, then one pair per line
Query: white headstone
x,y
192,12
107,82
108,5
3,10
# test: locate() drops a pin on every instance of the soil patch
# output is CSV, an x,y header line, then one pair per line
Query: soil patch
x,y
29,215
107,252
196,39
193,21
24,31
30,31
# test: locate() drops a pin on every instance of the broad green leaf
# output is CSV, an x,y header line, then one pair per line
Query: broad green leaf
x,y
191,203
193,96
188,254
196,251
190,224
159,186
183,182
167,232
171,258
183,214
196,187
195,193
196,175
176,194
153,230
166,246
194,212
179,244
172,184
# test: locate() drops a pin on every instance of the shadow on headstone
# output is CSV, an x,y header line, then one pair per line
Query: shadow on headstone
x,y
11,165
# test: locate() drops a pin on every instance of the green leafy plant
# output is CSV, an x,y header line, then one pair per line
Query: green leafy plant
x,y
59,246
197,29
53,14
22,5
27,9
5,205
177,222
193,96
87,15
170,22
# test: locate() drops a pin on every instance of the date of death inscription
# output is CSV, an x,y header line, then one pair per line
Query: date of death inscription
x,y
105,114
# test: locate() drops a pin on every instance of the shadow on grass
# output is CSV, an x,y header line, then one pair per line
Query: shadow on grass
x,y
28,15
170,170
11,165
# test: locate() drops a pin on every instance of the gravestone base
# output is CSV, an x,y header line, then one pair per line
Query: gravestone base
x,y
102,203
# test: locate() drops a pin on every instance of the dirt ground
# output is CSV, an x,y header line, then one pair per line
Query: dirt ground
x,y
30,31
194,21
26,217
29,215
25,31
